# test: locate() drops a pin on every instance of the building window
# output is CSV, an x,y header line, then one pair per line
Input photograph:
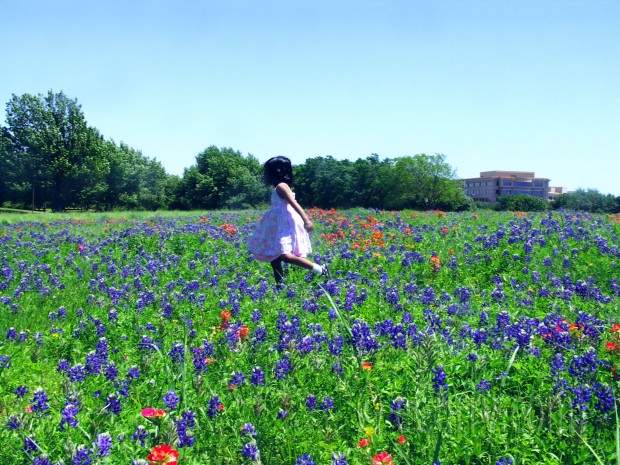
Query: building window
x,y
506,183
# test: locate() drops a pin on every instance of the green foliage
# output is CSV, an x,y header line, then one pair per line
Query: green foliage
x,y
222,178
51,158
521,203
54,159
589,200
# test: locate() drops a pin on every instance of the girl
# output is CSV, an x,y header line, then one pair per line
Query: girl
x,y
281,235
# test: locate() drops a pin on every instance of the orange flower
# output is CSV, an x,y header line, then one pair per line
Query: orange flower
x,y
243,332
364,443
383,459
225,316
615,328
435,263
575,329
163,455
366,366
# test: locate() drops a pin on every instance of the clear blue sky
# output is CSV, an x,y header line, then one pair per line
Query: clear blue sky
x,y
493,85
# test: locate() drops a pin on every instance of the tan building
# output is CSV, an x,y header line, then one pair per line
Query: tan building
x,y
493,184
554,192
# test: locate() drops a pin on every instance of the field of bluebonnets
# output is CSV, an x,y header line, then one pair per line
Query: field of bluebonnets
x,y
452,338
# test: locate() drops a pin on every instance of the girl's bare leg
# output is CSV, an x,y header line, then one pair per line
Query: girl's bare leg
x,y
278,273
295,260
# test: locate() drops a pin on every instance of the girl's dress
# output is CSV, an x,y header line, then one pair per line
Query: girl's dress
x,y
280,230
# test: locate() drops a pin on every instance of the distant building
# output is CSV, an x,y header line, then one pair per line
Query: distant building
x,y
554,192
494,184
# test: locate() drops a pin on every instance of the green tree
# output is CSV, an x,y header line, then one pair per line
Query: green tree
x,y
521,203
222,178
424,182
51,147
590,200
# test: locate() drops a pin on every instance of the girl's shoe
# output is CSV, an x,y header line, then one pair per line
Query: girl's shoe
x,y
325,272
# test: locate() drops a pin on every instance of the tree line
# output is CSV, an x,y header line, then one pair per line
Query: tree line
x,y
52,159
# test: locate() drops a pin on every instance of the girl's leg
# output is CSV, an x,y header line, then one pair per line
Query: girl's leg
x,y
278,273
305,263
295,260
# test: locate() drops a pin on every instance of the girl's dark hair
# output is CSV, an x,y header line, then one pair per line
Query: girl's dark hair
x,y
277,170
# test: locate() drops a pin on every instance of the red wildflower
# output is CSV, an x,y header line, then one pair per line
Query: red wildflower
x,y
150,412
225,316
366,366
444,230
401,439
163,455
615,328
364,443
612,347
243,332
383,459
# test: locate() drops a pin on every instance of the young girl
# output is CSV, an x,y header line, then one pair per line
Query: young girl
x,y
281,235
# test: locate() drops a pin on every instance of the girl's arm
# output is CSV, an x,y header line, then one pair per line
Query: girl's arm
x,y
285,193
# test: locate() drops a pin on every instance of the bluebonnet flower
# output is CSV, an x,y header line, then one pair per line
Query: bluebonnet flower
x,y
327,404
134,372
305,459
248,430
283,367
82,456
605,398
11,334
250,451
171,400
21,391
39,401
68,416
30,444
311,402
102,445
5,361
12,422
483,386
177,353
583,367
42,460
77,373
337,368
237,379
186,423
339,459
363,338
113,405
257,378
111,372
140,435
215,406
93,363
472,357
282,414
439,379
504,461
